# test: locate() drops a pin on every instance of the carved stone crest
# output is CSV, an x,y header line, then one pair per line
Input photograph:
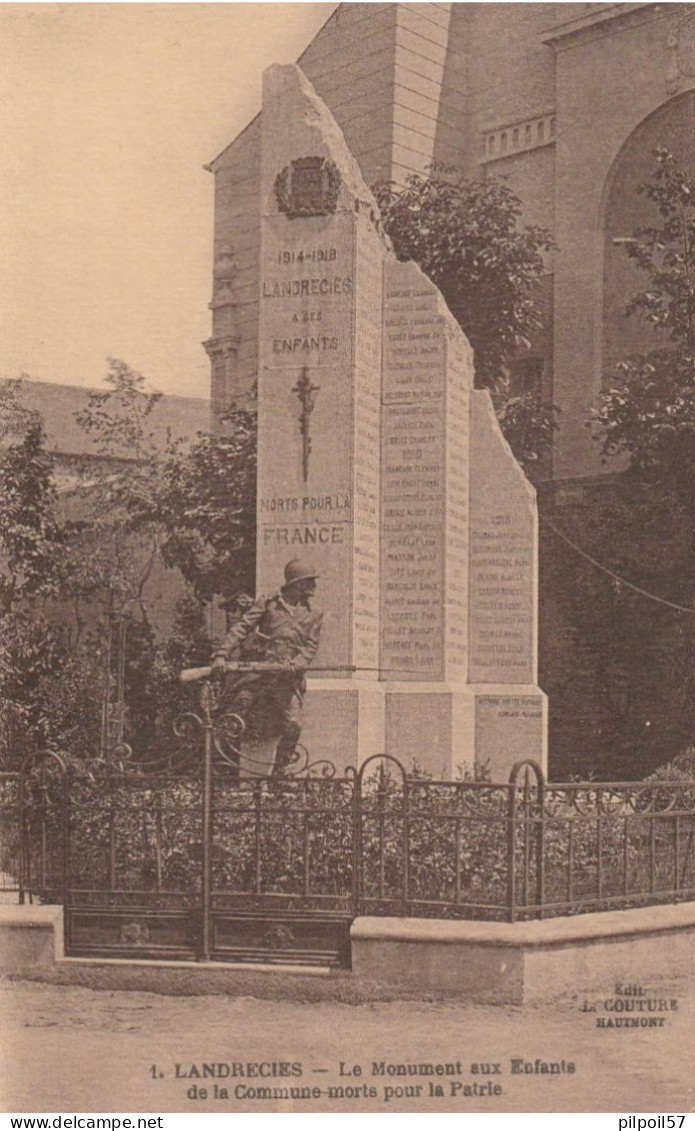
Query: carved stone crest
x,y
309,186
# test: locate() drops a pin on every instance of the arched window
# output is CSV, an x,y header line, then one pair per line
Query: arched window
x,y
624,210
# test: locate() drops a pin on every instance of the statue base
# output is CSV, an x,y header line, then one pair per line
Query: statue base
x,y
443,730
343,721
449,730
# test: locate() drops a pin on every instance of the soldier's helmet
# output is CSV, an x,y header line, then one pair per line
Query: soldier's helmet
x,y
298,570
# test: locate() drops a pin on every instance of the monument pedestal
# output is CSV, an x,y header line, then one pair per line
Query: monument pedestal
x,y
447,730
442,729
429,727
343,721
510,725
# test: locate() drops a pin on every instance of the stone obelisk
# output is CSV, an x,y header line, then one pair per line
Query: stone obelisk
x,y
380,463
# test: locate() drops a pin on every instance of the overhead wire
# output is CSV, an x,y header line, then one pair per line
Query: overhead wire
x,y
611,573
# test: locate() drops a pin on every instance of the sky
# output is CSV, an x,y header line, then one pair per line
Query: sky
x,y
108,113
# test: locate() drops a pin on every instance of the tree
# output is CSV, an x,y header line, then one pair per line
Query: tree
x,y
616,664
632,638
86,557
93,557
112,555
31,549
528,422
188,645
193,507
649,414
190,508
467,237
206,504
30,533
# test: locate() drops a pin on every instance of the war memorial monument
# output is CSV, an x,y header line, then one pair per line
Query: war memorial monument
x,y
420,845
380,461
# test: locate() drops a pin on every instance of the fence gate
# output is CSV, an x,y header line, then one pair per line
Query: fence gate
x,y
214,863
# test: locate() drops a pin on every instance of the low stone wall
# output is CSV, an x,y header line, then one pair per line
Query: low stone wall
x,y
516,963
31,937
496,963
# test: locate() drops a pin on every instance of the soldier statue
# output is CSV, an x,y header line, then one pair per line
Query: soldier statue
x,y
282,631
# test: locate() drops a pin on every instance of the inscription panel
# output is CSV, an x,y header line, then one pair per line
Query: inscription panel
x,y
305,502
319,420
413,488
503,560
307,291
500,567
459,378
508,729
369,255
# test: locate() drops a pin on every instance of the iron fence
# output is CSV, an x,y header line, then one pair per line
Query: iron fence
x,y
601,846
33,811
10,837
212,864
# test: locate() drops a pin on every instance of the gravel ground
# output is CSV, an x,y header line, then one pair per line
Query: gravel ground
x,y
69,1049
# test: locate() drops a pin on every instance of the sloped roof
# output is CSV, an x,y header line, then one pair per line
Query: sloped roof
x,y
178,417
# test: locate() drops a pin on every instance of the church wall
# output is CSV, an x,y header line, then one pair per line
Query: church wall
x,y
454,103
427,124
624,211
381,72
531,176
512,73
543,94
233,345
599,104
350,63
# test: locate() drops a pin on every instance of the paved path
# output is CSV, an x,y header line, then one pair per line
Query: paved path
x,y
79,1050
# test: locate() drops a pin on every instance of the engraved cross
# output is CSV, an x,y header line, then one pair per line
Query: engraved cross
x,y
306,393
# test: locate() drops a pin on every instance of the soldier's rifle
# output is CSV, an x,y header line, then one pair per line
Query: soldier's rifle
x,y
190,675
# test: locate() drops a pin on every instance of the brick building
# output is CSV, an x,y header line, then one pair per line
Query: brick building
x,y
565,100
